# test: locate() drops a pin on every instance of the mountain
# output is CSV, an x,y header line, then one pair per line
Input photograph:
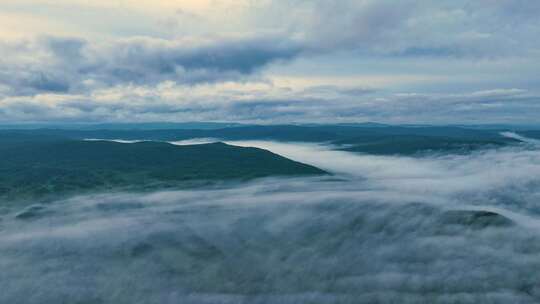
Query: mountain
x,y
32,167
121,126
364,138
532,134
419,144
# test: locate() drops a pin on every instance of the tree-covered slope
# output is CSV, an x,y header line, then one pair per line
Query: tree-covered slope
x,y
32,168
415,144
366,138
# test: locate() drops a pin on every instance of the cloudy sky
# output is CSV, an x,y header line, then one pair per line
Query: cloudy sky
x,y
270,61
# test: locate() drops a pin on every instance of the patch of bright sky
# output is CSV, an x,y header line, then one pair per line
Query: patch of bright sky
x,y
124,18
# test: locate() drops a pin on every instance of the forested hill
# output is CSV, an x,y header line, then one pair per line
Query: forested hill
x,y
33,167
366,138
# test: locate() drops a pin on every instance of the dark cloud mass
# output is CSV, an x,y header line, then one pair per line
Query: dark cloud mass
x,y
76,65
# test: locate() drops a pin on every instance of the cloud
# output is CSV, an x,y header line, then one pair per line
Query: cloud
x,y
62,65
262,102
347,61
378,232
485,29
377,27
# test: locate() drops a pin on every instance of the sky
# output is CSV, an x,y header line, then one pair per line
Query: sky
x,y
270,62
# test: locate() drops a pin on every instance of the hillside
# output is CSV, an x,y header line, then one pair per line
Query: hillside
x,y
418,144
34,167
368,138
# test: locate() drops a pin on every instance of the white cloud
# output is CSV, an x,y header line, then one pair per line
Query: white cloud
x,y
435,50
380,233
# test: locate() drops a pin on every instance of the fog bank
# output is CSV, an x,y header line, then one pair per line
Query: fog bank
x,y
381,230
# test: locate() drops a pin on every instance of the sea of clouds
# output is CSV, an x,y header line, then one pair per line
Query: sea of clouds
x,y
376,231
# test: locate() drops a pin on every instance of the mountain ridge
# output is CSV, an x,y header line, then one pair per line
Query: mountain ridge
x,y
35,169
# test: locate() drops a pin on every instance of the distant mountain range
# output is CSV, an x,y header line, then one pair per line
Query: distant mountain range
x,y
120,126
222,125
41,162
363,138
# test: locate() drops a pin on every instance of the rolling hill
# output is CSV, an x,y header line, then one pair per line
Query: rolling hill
x,y
364,138
35,167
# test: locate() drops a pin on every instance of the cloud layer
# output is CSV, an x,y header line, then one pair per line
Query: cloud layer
x,y
64,65
268,103
379,232
426,51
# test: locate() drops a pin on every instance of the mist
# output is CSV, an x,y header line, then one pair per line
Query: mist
x,y
381,229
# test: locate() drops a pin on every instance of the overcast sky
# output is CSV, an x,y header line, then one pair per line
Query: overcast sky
x,y
295,61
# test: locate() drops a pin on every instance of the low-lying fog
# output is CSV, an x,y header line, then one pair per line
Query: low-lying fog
x,y
381,230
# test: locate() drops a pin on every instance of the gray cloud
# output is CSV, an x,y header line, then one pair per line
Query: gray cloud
x,y
63,65
276,105
410,46
413,28
407,28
